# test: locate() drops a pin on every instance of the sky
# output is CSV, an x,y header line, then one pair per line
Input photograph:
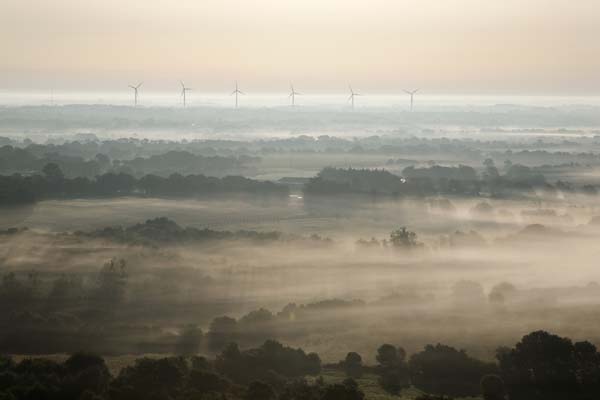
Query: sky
x,y
441,46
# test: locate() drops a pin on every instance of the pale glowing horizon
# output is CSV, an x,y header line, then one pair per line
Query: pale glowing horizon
x,y
380,46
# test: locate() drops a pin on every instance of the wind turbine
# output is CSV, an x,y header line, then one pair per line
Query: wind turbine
x,y
236,92
352,95
412,95
293,94
184,89
135,92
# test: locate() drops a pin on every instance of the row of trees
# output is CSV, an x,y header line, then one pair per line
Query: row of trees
x,y
400,238
18,189
541,366
163,231
257,374
461,180
440,370
75,163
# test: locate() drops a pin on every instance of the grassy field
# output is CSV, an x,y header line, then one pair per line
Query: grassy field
x,y
368,384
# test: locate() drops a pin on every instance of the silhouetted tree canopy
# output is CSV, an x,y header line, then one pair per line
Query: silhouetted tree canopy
x,y
444,370
392,369
547,366
352,365
21,189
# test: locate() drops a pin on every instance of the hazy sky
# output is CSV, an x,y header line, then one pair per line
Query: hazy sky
x,y
454,46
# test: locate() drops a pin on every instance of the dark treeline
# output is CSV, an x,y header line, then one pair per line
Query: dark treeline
x,y
541,366
255,374
163,231
75,162
528,151
461,180
291,322
19,189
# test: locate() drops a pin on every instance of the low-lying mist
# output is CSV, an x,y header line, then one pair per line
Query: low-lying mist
x,y
462,273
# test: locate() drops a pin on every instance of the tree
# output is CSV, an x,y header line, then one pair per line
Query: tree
x,y
103,160
444,370
53,172
403,238
87,373
389,356
222,331
501,292
353,365
149,378
550,367
111,285
392,369
202,382
491,172
63,290
15,293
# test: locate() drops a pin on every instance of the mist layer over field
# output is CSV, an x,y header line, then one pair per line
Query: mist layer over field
x,y
163,117
405,295
340,230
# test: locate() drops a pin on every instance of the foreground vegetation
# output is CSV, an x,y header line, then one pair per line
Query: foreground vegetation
x,y
541,366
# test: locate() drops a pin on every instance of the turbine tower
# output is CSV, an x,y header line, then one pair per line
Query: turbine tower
x,y
135,92
412,95
184,89
237,92
352,95
293,94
